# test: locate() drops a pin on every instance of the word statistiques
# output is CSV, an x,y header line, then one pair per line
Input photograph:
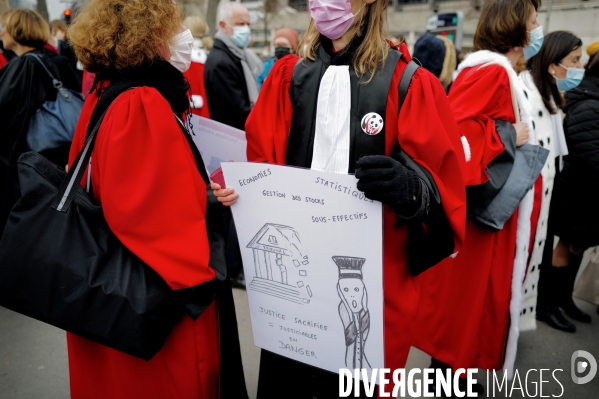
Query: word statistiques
x,y
354,192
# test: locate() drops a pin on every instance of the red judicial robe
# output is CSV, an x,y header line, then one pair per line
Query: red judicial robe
x,y
154,200
464,315
197,88
428,134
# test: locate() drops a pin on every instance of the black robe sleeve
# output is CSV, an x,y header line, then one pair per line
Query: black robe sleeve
x,y
21,94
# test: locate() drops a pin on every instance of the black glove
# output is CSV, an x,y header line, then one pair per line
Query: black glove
x,y
384,179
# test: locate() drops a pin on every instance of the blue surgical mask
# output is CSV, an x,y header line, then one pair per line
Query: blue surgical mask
x,y
241,36
536,41
573,78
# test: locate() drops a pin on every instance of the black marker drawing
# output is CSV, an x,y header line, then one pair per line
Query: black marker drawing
x,y
279,244
353,310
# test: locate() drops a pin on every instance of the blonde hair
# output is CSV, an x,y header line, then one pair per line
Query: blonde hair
x,y
116,35
374,49
26,27
59,25
449,62
199,30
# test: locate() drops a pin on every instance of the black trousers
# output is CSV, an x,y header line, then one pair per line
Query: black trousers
x,y
281,377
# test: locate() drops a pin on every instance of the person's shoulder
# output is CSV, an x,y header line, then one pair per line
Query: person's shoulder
x,y
526,78
420,75
219,51
284,67
487,77
269,63
141,100
486,71
20,66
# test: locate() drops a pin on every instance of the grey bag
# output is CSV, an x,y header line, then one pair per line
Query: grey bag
x,y
53,125
528,162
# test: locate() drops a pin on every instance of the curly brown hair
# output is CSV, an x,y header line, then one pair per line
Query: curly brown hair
x,y
110,35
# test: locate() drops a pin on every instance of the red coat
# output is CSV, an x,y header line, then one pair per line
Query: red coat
x,y
197,89
87,83
427,133
464,316
154,200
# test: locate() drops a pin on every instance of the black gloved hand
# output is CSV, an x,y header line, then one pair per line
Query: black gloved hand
x,y
384,179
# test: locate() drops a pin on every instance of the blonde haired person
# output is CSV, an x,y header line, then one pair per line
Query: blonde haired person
x,y
449,63
24,87
346,40
200,30
59,29
202,43
149,181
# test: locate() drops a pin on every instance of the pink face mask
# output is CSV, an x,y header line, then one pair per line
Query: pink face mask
x,y
332,17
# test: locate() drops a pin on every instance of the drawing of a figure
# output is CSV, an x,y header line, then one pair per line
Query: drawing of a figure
x,y
280,266
353,310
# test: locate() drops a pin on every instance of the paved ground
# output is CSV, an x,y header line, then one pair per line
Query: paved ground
x,y
33,361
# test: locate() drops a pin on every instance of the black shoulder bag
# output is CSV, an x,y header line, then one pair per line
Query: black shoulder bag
x,y
61,264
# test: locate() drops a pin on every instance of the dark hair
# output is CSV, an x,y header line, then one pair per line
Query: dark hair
x,y
556,46
502,24
592,66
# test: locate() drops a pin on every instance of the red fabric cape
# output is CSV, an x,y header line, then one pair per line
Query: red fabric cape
x,y
427,133
464,313
195,77
145,177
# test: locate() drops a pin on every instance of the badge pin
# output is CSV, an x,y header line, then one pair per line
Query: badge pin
x,y
372,124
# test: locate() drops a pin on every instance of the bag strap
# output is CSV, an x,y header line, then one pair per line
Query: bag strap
x,y
67,191
406,79
57,83
398,154
196,153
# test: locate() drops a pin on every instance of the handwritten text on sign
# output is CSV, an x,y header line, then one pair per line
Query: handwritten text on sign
x,y
311,244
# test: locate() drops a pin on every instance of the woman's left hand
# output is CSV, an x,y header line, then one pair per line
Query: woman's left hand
x,y
226,196
386,180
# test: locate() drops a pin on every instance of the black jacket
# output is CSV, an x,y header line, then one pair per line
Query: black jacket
x,y
24,87
226,89
574,205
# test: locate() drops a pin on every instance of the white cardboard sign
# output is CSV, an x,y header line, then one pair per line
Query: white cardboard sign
x,y
218,142
311,245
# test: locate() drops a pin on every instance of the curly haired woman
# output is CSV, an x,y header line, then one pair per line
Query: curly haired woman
x,y
155,200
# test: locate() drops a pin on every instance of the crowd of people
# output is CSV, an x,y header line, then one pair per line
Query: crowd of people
x,y
501,160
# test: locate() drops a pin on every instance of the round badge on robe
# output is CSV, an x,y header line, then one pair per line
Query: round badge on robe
x,y
372,124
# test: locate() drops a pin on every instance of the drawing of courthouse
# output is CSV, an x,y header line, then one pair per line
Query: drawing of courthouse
x,y
280,266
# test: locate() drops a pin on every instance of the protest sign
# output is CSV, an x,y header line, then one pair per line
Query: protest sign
x,y
218,142
311,244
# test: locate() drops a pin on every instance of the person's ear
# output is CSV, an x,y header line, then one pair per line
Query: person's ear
x,y
552,68
223,25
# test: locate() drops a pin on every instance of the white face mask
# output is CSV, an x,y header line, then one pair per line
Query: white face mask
x,y
181,50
